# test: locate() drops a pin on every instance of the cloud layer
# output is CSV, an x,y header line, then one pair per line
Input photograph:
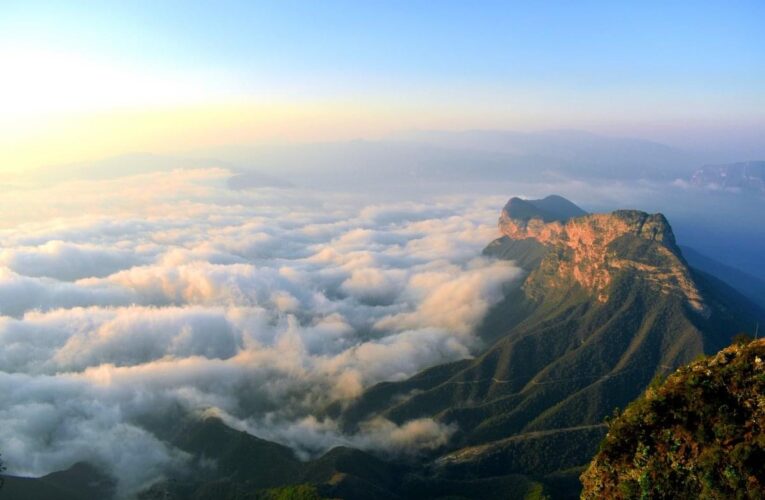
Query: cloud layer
x,y
123,298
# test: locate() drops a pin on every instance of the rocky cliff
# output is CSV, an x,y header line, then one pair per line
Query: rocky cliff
x,y
608,304
588,251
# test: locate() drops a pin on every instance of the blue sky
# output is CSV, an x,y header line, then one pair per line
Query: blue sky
x,y
578,42
596,65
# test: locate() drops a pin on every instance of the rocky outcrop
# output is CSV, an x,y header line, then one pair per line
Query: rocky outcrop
x,y
549,209
560,361
699,434
590,250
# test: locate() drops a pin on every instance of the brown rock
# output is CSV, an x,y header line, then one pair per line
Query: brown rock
x,y
591,249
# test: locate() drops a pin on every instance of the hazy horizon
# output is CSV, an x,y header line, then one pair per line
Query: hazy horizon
x,y
86,81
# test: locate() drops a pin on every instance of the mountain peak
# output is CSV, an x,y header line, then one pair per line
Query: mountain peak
x,y
608,304
654,227
554,218
591,249
549,209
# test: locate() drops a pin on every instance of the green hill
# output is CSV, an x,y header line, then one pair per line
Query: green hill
x,y
608,304
81,481
699,434
247,467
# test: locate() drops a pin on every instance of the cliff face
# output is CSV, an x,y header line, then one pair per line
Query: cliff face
x,y
592,249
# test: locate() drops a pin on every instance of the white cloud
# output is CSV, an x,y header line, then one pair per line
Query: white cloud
x,y
19,294
51,422
166,290
68,261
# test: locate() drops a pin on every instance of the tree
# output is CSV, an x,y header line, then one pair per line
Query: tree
x,y
2,469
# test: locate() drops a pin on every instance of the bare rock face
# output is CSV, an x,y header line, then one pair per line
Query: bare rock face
x,y
591,250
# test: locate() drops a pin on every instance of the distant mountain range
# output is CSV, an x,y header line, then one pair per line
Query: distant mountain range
x,y
608,303
145,163
435,158
742,176
578,152
438,157
424,156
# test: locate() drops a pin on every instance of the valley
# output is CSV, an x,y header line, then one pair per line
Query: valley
x,y
608,303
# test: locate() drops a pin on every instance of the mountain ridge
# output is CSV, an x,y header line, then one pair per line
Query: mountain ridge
x,y
606,305
578,344
588,253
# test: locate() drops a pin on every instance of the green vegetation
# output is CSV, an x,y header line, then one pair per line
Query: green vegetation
x,y
742,338
561,360
529,410
298,492
699,434
79,482
511,486
536,493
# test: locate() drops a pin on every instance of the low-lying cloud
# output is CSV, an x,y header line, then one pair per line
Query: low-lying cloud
x,y
167,290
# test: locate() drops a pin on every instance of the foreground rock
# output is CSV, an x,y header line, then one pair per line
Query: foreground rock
x,y
700,434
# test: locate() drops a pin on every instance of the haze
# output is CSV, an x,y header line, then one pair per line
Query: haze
x,y
87,81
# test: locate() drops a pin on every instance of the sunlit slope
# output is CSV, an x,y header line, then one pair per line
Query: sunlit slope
x,y
609,303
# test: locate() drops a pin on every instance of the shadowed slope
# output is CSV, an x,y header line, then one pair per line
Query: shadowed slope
x,y
81,481
609,303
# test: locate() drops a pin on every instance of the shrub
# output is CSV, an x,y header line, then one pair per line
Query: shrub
x,y
698,434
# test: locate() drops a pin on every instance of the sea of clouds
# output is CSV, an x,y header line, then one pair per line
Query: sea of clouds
x,y
123,298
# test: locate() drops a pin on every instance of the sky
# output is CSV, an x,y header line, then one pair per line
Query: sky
x,y
85,80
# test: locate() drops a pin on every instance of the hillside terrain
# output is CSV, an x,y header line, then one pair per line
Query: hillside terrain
x,y
698,434
79,482
750,286
608,303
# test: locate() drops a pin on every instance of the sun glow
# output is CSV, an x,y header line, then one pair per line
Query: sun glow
x,y
40,81
61,107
